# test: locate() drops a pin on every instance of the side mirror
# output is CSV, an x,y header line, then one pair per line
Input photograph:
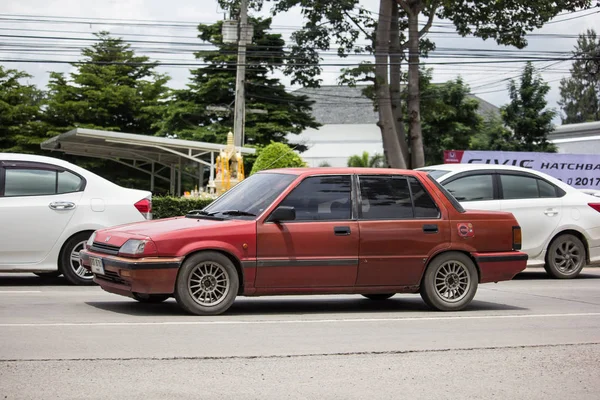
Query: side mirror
x,y
282,214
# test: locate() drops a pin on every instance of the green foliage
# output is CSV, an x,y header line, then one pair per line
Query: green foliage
x,y
168,206
21,127
580,93
527,115
366,161
493,136
449,117
188,115
277,155
324,164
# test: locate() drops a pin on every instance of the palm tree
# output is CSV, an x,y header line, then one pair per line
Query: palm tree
x,y
365,161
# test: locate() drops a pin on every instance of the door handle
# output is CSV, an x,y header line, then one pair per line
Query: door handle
x,y
341,230
61,205
430,228
550,212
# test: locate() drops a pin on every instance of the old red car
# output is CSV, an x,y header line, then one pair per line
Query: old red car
x,y
374,232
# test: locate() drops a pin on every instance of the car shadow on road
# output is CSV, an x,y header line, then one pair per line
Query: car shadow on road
x,y
31,280
279,306
542,275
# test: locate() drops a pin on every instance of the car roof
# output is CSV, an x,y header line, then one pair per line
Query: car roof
x,y
34,158
343,170
470,167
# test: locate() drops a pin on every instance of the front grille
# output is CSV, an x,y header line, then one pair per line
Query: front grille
x,y
112,276
105,248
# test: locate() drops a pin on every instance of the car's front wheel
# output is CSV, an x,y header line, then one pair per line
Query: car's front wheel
x,y
565,257
450,282
70,263
207,284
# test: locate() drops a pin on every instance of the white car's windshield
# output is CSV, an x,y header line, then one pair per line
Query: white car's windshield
x,y
435,173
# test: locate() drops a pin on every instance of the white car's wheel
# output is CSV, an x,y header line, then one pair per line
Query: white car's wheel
x,y
70,264
565,257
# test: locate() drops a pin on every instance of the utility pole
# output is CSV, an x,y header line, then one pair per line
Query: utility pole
x,y
240,81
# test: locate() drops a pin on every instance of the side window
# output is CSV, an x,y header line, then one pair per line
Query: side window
x,y
68,182
322,198
472,188
384,197
425,207
525,187
29,182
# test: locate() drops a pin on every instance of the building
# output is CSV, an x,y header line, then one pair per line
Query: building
x,y
581,138
349,125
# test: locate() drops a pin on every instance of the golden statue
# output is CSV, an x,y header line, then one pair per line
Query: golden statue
x,y
229,167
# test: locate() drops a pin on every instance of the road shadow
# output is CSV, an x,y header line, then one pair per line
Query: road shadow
x,y
541,275
22,279
281,306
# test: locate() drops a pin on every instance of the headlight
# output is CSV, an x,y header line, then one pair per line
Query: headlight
x,y
90,241
133,247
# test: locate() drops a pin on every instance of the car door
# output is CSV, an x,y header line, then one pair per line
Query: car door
x,y
317,249
475,190
37,201
400,227
535,203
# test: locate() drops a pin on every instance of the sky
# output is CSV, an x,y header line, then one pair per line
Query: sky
x,y
175,22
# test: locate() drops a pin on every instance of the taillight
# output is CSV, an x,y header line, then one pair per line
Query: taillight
x,y
595,206
517,237
144,206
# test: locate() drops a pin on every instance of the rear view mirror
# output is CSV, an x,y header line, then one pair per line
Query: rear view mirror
x,y
282,214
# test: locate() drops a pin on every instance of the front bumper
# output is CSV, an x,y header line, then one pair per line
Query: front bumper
x,y
125,276
495,267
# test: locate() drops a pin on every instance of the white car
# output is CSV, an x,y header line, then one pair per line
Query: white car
x,y
560,224
48,210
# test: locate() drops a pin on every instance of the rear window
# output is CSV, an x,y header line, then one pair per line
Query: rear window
x,y
447,194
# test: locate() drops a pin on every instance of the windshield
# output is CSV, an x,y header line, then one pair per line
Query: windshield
x,y
435,173
251,196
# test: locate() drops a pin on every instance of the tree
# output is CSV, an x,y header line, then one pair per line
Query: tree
x,y
580,93
327,22
366,161
526,114
493,136
189,116
450,117
277,155
21,127
111,89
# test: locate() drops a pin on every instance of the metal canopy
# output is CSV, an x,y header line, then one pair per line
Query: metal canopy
x,y
149,154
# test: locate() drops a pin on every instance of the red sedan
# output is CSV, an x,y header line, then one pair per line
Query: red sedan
x,y
374,232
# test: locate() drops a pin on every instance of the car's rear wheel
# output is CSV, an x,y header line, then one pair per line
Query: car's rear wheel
x,y
207,284
49,274
450,282
150,298
378,296
70,263
565,257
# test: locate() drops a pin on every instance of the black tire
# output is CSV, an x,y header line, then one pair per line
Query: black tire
x,y
460,280
191,278
378,296
150,298
49,274
566,257
68,269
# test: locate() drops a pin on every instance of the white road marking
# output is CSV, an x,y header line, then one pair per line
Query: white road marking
x,y
19,291
298,321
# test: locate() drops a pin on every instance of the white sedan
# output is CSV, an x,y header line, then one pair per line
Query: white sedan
x,y
560,224
50,207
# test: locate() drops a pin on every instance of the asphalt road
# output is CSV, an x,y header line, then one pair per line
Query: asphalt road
x,y
533,337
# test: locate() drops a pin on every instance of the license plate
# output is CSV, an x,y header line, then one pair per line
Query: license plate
x,y
97,267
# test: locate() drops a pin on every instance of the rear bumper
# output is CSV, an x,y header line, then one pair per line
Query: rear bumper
x,y
125,276
495,267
